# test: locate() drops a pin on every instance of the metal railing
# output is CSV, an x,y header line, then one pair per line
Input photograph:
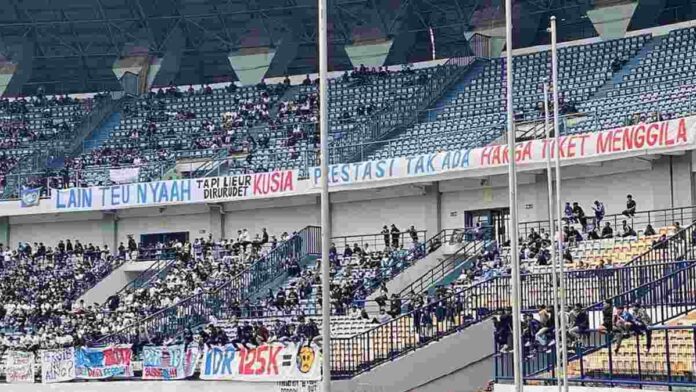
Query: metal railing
x,y
471,246
351,356
158,269
656,218
666,298
680,246
377,241
406,333
198,309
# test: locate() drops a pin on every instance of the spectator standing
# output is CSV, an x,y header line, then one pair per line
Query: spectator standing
x,y
395,234
385,233
414,234
599,212
579,215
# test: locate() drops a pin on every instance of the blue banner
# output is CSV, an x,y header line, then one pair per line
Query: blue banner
x,y
105,362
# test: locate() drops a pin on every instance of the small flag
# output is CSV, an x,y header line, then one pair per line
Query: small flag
x,y
30,197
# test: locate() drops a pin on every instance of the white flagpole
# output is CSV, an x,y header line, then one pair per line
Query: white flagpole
x,y
514,230
325,210
554,261
556,130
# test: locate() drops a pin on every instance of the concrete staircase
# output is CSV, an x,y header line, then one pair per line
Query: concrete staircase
x,y
626,69
458,362
451,94
102,132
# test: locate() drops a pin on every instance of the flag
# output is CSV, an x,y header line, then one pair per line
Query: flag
x,y
31,197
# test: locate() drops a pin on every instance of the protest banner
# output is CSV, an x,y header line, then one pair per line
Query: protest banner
x,y
100,363
266,363
20,367
169,362
57,365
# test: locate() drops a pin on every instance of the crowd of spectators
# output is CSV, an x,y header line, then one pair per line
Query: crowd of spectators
x,y
38,287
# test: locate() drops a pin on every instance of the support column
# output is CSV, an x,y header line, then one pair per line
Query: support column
x,y
109,229
433,210
217,221
5,231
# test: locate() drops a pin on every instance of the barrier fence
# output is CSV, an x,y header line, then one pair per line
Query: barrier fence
x,y
594,357
639,221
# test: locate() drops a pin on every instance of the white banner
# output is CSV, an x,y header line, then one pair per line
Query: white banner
x,y
266,363
125,175
679,134
185,191
57,365
20,367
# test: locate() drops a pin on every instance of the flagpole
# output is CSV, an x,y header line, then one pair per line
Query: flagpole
x,y
554,261
556,130
514,230
325,201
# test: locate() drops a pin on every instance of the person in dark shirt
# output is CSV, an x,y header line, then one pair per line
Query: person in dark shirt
x,y
395,234
395,306
347,252
503,330
579,215
607,326
607,231
264,236
650,231
385,233
630,210
581,323
413,233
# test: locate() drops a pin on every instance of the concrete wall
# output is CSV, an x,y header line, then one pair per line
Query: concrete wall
x,y
435,361
655,184
108,286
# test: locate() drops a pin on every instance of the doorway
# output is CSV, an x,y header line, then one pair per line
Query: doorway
x,y
495,221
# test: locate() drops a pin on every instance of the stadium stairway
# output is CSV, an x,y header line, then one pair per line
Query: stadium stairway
x,y
628,67
442,257
451,93
282,279
102,132
126,276
461,362
410,114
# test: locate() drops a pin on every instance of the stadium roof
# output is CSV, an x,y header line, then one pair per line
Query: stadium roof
x,y
72,45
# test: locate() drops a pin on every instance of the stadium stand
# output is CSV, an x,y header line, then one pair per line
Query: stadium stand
x,y
34,125
630,279
476,116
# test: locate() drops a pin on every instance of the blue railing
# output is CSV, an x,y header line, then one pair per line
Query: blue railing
x,y
666,298
215,302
